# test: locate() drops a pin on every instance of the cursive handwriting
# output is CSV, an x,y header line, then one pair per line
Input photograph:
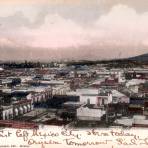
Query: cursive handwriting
x,y
22,134
122,133
71,141
42,143
75,137
5,133
70,133
44,134
94,132
122,141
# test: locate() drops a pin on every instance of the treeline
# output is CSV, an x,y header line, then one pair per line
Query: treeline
x,y
117,63
25,64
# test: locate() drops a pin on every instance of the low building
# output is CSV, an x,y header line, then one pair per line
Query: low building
x,y
136,105
90,113
7,112
22,107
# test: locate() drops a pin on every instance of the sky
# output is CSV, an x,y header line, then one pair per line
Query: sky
x,y
73,29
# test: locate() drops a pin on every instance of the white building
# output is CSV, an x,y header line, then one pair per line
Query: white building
x,y
22,107
119,97
93,96
90,114
133,85
7,112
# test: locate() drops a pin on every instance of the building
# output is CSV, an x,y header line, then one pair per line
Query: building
x,y
7,112
136,105
22,107
90,113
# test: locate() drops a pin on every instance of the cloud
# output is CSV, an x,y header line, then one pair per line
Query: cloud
x,y
121,27
57,32
120,32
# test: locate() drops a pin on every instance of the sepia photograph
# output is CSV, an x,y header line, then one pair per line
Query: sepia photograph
x,y
73,73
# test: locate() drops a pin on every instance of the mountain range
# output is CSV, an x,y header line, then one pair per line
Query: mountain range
x,y
143,58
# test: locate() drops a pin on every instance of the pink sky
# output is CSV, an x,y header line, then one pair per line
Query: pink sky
x,y
106,30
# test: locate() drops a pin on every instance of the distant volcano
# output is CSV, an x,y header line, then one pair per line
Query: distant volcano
x,y
143,57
